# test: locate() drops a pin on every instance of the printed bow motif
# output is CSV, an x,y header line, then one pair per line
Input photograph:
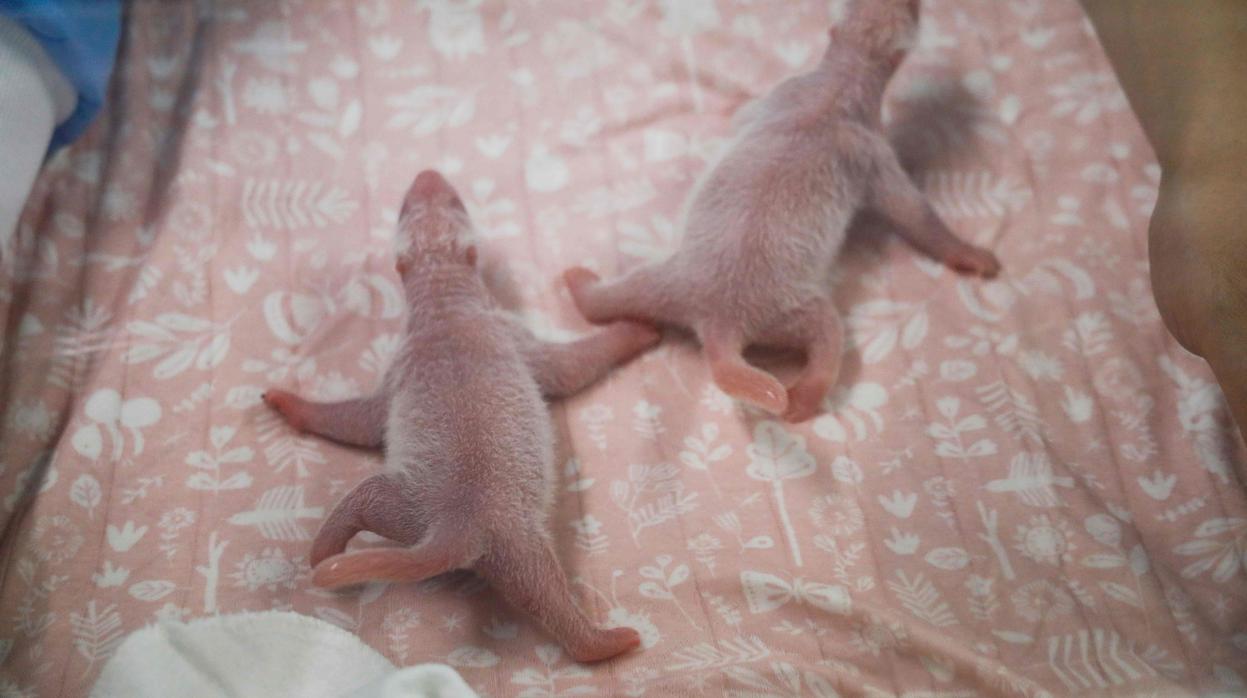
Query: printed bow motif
x,y
765,592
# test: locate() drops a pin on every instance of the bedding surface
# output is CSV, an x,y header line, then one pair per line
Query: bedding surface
x,y
1021,487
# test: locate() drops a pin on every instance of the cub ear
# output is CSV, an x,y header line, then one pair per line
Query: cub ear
x,y
471,255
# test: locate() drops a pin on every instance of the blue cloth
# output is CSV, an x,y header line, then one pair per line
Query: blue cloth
x,y
80,36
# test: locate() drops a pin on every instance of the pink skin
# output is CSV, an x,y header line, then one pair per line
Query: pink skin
x,y
765,223
468,479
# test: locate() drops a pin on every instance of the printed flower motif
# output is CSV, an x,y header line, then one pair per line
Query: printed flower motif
x,y
191,220
597,413
176,519
1118,379
619,617
716,400
265,95
979,585
576,49
32,419
940,489
1040,366
1045,541
284,361
837,515
55,539
634,680
982,340
455,30
400,619
729,613
877,636
647,419
334,386
270,569
118,204
1041,598
253,148
704,546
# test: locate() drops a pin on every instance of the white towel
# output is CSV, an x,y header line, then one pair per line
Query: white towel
x,y
272,654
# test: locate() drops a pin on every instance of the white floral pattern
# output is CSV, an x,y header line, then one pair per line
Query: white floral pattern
x,y
1019,487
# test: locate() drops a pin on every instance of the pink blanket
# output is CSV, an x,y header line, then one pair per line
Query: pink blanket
x,y
1021,487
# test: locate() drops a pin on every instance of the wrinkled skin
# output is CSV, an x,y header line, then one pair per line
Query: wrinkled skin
x,y
468,479
764,224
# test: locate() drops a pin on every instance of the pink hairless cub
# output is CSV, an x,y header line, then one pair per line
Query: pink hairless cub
x,y
766,221
468,480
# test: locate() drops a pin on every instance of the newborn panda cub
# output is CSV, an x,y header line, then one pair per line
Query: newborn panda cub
x,y
468,479
766,221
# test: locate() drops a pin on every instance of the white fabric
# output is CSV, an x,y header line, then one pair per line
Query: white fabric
x,y
273,654
34,98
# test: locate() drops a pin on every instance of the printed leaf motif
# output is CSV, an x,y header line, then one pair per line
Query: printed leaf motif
x,y
182,340
1095,659
470,656
878,326
852,412
1090,334
705,655
1014,412
85,492
846,470
1220,553
653,243
1104,529
651,590
1104,561
1035,399
180,322
294,204
1032,479
920,597
701,452
289,450
776,454
153,590
1013,637
948,558
1122,593
373,295
974,194
1139,561
333,615
580,485
428,108
278,512
97,632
